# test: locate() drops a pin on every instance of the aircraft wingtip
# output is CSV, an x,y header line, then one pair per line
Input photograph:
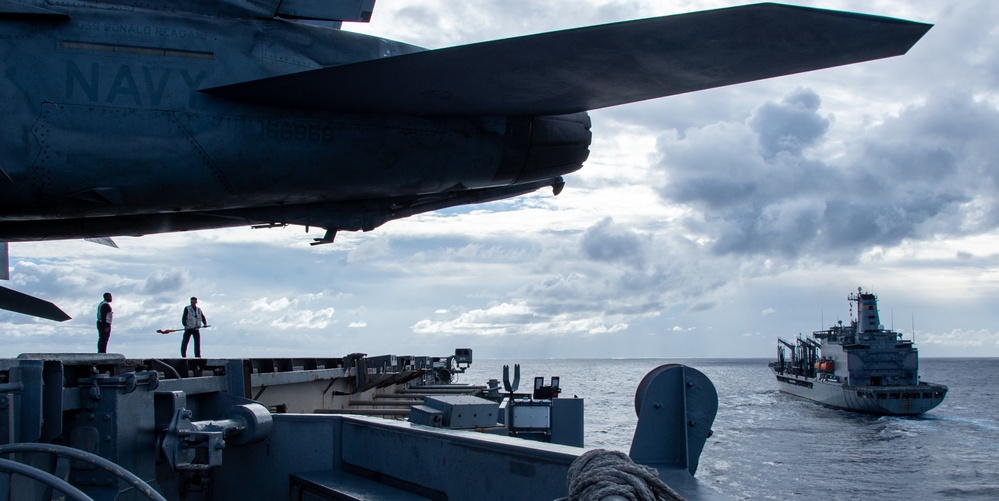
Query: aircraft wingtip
x,y
18,302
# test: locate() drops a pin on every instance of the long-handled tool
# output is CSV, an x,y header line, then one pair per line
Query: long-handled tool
x,y
168,331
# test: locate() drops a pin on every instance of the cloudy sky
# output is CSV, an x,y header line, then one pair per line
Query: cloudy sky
x,y
702,225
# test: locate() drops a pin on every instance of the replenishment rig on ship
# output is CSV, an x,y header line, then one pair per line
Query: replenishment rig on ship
x,y
861,367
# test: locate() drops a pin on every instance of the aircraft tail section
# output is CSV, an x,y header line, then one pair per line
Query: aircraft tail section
x,y
340,10
588,68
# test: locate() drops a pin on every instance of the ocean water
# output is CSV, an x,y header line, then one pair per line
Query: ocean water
x,y
767,445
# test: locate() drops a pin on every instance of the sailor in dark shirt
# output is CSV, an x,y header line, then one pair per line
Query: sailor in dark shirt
x,y
104,316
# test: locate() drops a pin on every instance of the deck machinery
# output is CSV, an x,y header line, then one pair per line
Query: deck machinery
x,y
105,427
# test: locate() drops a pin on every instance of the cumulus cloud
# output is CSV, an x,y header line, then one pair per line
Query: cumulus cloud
x,y
371,249
436,23
758,188
790,125
606,241
980,338
305,319
518,318
161,281
266,305
605,283
295,312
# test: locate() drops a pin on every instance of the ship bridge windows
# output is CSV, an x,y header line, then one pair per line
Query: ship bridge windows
x,y
894,396
882,396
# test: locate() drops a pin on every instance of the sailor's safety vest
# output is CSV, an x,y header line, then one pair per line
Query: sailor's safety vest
x,y
193,318
100,307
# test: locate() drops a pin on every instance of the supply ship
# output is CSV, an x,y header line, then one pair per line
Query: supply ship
x,y
862,367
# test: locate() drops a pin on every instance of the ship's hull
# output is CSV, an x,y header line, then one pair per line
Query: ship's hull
x,y
909,400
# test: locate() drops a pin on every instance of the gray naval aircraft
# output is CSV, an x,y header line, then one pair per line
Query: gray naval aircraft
x,y
132,117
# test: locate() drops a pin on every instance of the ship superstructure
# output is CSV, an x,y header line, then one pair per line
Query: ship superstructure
x,y
859,367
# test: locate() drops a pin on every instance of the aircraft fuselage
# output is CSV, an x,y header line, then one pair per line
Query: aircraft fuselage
x,y
106,132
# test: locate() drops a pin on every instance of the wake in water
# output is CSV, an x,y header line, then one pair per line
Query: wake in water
x,y
767,445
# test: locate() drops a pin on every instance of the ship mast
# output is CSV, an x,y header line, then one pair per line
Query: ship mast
x,y
867,311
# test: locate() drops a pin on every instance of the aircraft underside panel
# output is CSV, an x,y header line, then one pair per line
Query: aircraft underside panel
x,y
103,160
344,158
355,215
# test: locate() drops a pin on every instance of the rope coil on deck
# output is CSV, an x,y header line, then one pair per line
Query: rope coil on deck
x,y
600,473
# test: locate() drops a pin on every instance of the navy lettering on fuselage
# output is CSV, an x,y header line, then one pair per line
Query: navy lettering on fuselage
x,y
128,28
138,85
124,84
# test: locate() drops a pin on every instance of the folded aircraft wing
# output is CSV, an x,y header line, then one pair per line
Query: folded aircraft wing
x,y
29,305
594,67
22,303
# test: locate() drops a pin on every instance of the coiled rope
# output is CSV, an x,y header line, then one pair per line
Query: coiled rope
x,y
600,473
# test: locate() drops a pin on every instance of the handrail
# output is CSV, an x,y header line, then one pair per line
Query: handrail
x,y
44,477
80,455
